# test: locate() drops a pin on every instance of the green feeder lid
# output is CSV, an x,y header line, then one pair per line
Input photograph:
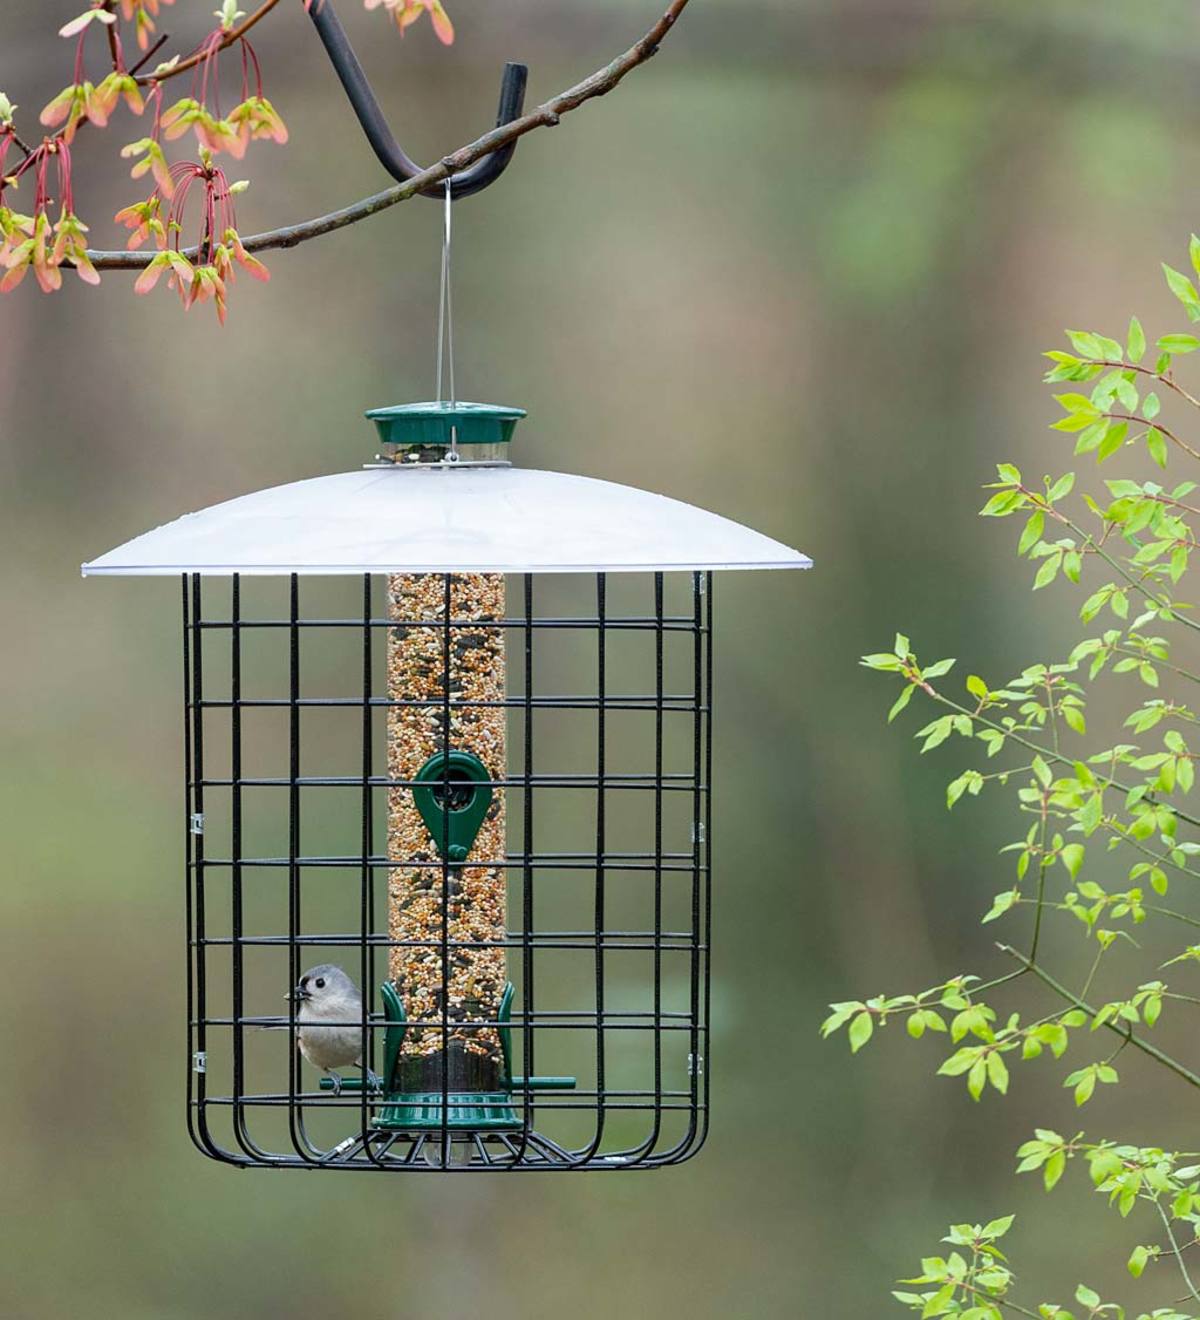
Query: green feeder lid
x,y
432,423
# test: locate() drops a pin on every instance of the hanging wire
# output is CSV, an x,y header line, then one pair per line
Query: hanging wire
x,y
445,341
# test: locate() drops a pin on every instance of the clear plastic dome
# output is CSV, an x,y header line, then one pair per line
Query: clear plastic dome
x,y
437,519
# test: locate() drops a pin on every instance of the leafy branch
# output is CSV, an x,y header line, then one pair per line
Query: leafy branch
x,y
197,197
548,115
1109,827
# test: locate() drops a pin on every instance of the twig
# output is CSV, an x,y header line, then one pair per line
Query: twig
x,y
1091,976
598,84
1136,1041
1141,421
1167,380
1191,1287
234,34
21,145
150,54
114,48
1041,880
1046,753
1165,664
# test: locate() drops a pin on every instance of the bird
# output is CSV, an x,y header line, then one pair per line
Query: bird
x,y
326,995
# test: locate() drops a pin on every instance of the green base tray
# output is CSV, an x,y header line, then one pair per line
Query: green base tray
x,y
474,1111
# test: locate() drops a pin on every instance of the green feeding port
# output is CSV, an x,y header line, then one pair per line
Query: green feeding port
x,y
420,426
453,795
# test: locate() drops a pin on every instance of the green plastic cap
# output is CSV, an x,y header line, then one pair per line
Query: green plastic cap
x,y
431,424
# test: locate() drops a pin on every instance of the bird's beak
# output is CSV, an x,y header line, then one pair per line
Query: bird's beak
x,y
298,995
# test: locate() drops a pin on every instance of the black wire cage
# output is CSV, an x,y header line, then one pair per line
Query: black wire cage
x,y
474,802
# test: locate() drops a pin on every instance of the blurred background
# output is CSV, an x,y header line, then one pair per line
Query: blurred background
x,y
799,270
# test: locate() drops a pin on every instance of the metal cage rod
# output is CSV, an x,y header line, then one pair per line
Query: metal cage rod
x,y
682,623
584,863
684,704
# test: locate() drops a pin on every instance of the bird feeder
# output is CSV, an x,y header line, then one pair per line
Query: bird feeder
x,y
448,726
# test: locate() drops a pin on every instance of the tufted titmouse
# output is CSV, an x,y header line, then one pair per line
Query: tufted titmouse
x,y
325,994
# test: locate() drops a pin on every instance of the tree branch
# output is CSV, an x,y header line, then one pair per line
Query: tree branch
x,y
547,115
1178,1254
1136,1041
234,34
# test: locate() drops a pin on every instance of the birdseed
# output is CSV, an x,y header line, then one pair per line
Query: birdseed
x,y
476,909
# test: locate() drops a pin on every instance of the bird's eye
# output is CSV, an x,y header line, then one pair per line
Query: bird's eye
x,y
320,983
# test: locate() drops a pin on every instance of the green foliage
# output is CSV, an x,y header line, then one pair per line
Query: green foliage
x,y
1106,827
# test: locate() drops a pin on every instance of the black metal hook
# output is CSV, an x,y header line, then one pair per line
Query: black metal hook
x,y
392,156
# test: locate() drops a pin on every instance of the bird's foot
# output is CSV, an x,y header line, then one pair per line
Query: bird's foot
x,y
372,1079
337,1081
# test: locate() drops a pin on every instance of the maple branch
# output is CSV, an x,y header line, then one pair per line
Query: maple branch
x,y
234,34
545,116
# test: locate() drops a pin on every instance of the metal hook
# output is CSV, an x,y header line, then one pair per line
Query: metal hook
x,y
391,155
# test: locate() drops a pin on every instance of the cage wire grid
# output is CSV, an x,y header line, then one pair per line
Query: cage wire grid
x,y
247,1105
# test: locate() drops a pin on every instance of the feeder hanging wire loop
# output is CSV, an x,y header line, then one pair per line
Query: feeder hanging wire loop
x,y
445,331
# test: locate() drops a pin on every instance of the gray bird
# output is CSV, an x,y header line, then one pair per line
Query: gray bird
x,y
325,994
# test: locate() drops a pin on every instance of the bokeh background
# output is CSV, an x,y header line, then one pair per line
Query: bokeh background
x,y
798,270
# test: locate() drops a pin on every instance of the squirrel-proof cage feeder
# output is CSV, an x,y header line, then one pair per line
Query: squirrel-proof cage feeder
x,y
448,727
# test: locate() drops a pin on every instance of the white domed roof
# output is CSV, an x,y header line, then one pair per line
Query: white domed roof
x,y
440,519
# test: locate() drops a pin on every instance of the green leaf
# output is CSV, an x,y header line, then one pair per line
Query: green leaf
x,y
1001,504
1084,1086
1032,533
1137,1261
1157,445
1086,1296
901,701
1077,403
1085,344
860,1031
1179,344
1000,905
997,1072
841,1014
1092,436
939,1303
970,781
1048,572
1184,290
1114,438
1136,340
1072,858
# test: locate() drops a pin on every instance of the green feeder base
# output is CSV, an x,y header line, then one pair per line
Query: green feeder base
x,y
478,1111
467,1111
